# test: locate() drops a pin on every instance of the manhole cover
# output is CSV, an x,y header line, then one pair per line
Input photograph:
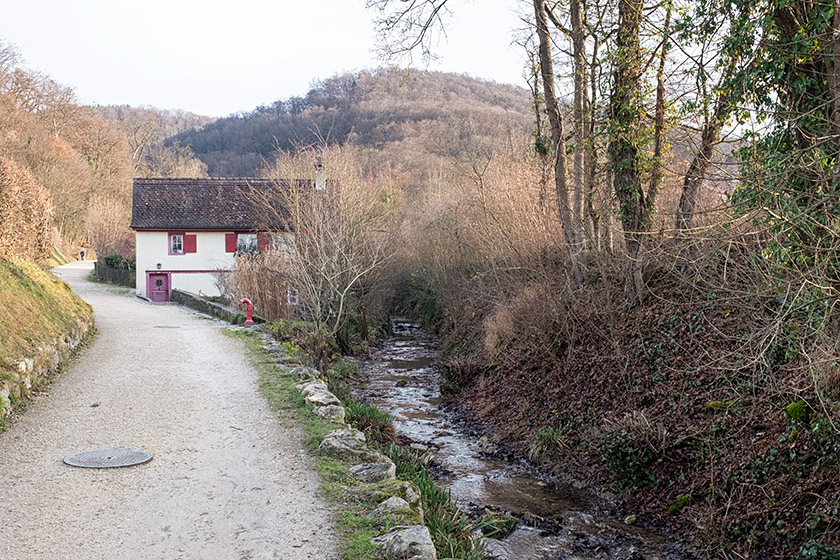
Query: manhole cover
x,y
167,326
108,458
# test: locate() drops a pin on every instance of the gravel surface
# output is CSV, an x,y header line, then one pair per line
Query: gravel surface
x,y
229,480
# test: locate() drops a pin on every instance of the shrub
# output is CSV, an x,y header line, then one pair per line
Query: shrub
x,y
318,348
344,368
263,278
120,262
26,214
376,425
630,450
627,461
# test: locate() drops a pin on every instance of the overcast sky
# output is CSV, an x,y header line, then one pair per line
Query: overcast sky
x,y
217,57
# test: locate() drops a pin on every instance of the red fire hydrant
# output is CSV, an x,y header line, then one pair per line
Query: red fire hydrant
x,y
248,312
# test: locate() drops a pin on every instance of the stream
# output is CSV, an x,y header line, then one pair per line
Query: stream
x,y
558,521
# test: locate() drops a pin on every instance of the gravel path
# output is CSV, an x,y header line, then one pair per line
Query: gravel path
x,y
228,479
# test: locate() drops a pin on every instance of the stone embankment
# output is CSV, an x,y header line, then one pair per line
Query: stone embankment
x,y
223,312
398,500
31,371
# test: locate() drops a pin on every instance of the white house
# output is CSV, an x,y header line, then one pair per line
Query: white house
x,y
190,230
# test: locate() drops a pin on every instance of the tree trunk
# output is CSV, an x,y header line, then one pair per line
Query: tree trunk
x,y
709,138
694,177
540,146
555,122
598,217
364,329
834,85
605,238
656,173
625,139
581,110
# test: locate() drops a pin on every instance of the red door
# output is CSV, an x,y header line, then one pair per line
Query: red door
x,y
158,287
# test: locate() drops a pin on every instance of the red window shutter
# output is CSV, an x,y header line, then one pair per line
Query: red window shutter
x,y
189,244
263,241
230,243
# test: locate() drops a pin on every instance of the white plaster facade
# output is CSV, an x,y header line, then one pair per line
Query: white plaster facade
x,y
188,230
190,272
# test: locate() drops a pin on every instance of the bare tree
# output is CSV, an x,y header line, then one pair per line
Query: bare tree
x,y
702,159
340,235
408,25
172,160
555,121
580,115
719,66
585,29
657,173
9,60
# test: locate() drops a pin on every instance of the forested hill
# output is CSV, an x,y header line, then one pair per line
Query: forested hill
x,y
147,130
384,108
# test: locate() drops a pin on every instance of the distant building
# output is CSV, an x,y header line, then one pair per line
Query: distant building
x,y
189,231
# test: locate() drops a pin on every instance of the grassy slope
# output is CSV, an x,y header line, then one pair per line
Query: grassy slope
x,y
35,306
58,258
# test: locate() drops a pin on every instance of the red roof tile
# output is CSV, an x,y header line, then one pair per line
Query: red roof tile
x,y
212,203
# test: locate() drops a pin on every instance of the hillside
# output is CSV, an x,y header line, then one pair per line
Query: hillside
x,y
406,113
80,159
688,409
147,129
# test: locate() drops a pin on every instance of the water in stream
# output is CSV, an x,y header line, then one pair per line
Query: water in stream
x,y
403,380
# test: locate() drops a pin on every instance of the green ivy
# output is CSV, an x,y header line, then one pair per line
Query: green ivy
x,y
628,460
813,550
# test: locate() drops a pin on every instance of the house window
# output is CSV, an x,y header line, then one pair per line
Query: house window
x,y
176,244
246,243
181,243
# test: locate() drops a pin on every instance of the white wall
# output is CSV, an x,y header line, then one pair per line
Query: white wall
x,y
153,248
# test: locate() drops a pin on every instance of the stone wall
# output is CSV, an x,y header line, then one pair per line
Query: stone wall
x,y
223,312
399,501
50,358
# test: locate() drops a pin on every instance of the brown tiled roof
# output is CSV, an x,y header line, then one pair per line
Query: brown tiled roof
x,y
212,203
